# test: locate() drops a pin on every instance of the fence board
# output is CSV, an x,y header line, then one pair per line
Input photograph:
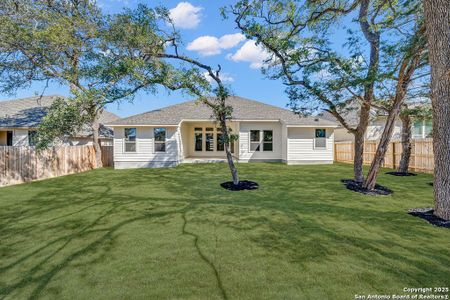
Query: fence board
x,y
422,157
23,164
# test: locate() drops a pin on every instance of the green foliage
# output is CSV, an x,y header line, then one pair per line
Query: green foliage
x,y
300,37
103,59
64,119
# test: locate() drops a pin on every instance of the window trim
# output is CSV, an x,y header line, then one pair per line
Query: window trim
x,y
258,149
196,131
32,143
315,138
125,141
267,142
160,142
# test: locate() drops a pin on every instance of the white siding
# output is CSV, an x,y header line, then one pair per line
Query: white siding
x,y
145,155
244,142
301,150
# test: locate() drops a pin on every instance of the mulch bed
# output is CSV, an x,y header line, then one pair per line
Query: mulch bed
x,y
401,174
427,214
356,186
241,186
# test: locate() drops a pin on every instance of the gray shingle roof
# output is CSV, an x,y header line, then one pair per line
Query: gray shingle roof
x,y
243,109
28,113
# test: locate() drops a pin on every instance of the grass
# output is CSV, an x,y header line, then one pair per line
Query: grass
x,y
175,234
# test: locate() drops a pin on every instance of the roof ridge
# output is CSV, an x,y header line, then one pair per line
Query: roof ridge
x,y
31,98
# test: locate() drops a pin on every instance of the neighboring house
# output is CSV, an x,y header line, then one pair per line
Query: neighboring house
x,y
20,118
420,129
187,132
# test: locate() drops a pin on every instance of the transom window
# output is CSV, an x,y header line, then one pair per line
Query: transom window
x,y
257,139
320,141
130,139
160,139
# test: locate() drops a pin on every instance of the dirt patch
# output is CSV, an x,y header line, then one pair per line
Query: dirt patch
x,y
428,215
356,186
401,174
241,186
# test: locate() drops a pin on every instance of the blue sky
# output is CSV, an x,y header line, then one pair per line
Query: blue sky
x,y
206,36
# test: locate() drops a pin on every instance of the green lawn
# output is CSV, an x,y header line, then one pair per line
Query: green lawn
x,y
175,234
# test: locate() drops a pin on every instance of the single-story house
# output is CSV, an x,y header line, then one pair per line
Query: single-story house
x,y
187,132
20,118
421,128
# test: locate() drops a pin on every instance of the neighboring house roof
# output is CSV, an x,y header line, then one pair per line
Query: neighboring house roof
x,y
243,109
28,113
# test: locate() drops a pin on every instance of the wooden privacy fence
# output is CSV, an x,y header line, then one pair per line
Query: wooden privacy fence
x,y
422,158
23,164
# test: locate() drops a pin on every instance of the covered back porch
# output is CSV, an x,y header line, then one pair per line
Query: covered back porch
x,y
201,142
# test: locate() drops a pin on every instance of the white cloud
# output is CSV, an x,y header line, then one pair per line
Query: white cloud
x,y
225,77
231,40
210,45
252,53
185,15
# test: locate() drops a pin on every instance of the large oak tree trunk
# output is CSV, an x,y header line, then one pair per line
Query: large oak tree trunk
x,y
406,143
358,159
226,135
385,139
373,37
437,16
96,142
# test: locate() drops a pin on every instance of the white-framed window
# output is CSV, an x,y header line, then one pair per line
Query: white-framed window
x,y
130,140
32,137
422,129
320,140
219,142
209,139
159,139
198,139
255,140
267,140
261,140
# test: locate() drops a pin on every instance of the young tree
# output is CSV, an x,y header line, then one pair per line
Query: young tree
x,y
437,16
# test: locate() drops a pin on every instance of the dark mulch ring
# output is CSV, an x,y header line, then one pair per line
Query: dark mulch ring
x,y
242,185
401,173
427,214
356,186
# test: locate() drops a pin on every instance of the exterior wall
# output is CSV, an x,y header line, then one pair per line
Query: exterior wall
x,y
20,137
374,132
300,146
341,135
145,156
245,155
